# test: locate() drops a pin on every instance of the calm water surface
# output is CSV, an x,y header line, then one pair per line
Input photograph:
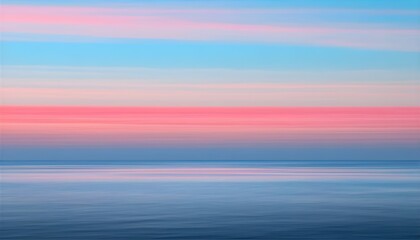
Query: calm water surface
x,y
210,200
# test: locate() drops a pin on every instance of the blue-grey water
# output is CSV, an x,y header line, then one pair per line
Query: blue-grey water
x,y
210,200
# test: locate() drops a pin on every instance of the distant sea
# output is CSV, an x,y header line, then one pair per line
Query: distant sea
x,y
208,200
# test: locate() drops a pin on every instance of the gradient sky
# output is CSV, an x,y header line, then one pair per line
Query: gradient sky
x,y
204,80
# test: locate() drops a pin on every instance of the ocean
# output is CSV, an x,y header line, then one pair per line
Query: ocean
x,y
207,200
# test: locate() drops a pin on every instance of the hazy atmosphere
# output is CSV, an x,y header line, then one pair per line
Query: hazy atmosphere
x,y
254,119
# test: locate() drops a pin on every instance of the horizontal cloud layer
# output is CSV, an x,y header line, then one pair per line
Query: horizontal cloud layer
x,y
135,126
212,25
32,85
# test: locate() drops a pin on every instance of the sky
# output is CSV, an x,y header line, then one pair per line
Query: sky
x,y
210,80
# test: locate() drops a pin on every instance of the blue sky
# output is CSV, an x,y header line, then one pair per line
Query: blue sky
x,y
251,53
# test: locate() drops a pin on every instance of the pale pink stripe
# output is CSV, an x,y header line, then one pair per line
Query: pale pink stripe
x,y
102,22
203,174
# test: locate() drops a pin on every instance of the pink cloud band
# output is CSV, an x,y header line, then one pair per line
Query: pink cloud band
x,y
163,126
155,24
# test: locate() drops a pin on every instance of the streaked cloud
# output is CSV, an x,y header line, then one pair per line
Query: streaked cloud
x,y
217,126
202,25
220,95
32,85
